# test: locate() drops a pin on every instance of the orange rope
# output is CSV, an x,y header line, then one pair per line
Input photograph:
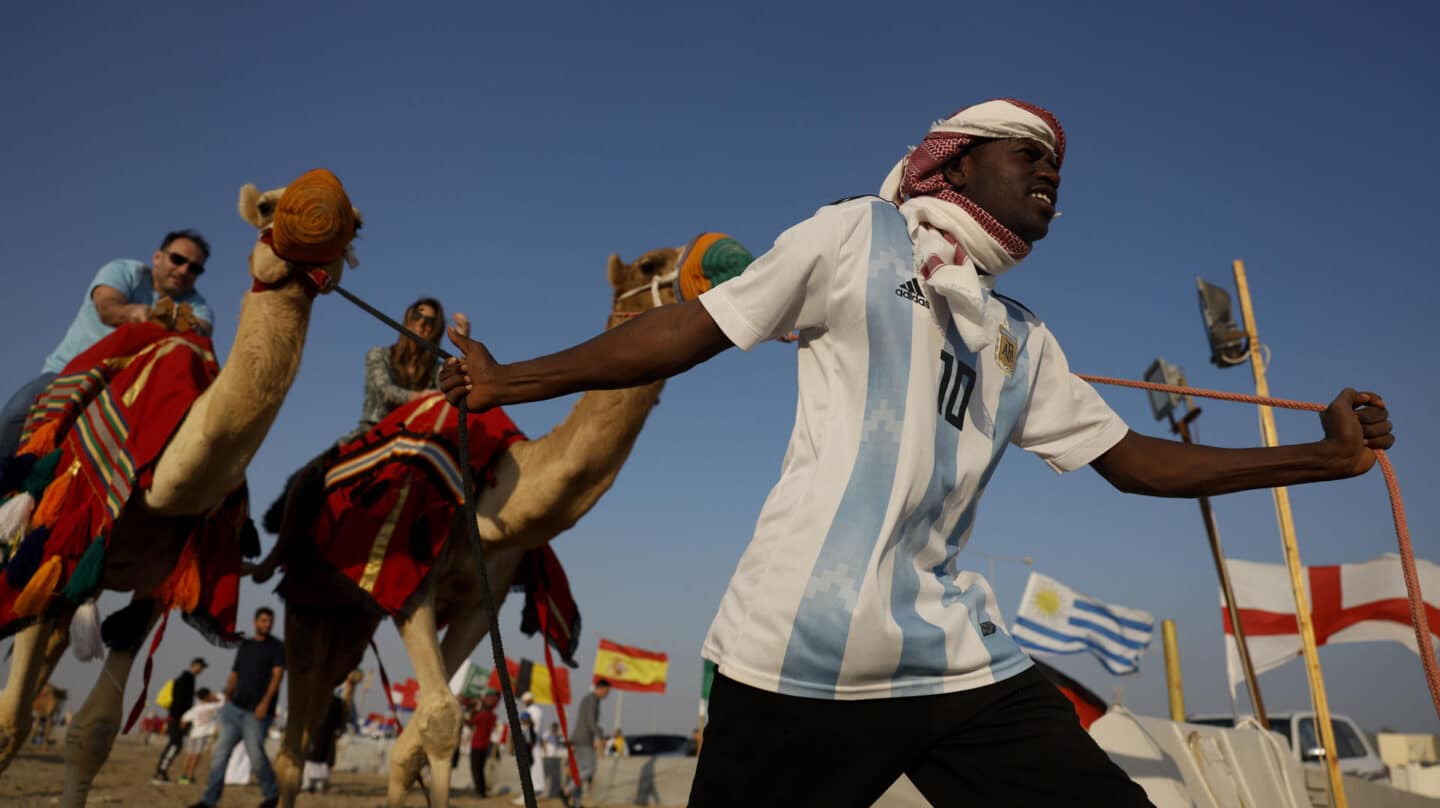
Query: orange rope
x,y
1418,618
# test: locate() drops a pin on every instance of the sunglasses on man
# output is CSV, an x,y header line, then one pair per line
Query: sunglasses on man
x,y
181,262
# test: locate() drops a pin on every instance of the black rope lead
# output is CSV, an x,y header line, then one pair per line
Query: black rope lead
x,y
472,530
522,747
386,319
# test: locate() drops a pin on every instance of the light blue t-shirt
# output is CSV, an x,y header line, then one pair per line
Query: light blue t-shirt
x,y
133,280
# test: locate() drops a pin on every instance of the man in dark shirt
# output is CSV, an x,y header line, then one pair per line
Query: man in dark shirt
x,y
586,738
182,698
250,694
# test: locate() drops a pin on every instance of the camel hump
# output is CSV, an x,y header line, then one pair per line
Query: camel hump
x,y
314,220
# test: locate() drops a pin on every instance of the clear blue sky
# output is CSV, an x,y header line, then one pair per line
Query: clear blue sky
x,y
501,152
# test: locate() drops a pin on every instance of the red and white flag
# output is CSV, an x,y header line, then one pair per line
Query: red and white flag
x,y
1361,602
405,693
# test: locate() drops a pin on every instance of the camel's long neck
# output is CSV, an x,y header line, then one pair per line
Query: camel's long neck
x,y
581,457
602,427
208,456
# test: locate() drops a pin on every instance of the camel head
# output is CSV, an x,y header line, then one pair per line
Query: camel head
x,y
643,284
665,276
258,209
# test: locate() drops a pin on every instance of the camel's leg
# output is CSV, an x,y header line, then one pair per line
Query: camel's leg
x,y
321,648
91,733
27,664
434,730
469,625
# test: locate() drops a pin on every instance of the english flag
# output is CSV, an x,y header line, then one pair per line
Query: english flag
x,y
1361,602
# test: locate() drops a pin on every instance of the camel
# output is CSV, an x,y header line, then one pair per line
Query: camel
x,y
202,464
541,488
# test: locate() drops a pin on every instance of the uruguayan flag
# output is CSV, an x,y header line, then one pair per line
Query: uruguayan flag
x,y
1055,619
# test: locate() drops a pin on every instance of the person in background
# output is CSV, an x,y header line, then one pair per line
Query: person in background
x,y
182,697
202,720
530,736
249,709
482,728
587,738
121,292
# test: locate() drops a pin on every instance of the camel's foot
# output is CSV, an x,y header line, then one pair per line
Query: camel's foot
x,y
430,737
288,771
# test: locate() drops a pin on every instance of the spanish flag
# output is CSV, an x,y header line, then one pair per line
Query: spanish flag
x,y
629,668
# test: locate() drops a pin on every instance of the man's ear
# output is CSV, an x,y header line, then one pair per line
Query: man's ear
x,y
155,259
956,170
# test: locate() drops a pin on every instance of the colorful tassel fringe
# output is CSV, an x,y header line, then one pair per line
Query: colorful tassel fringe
x,y
42,440
49,508
85,632
182,589
14,516
13,471
33,599
41,474
85,578
27,558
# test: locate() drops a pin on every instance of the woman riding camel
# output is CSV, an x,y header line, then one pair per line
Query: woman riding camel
x,y
397,374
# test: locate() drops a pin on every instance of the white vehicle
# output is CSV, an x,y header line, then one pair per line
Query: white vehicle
x,y
1357,756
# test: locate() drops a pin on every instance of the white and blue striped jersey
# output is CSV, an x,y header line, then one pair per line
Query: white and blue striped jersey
x,y
852,587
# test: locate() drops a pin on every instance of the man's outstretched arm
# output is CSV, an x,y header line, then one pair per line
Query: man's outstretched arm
x,y
1355,424
656,345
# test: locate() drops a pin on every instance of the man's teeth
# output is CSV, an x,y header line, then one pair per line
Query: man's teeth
x,y
1042,196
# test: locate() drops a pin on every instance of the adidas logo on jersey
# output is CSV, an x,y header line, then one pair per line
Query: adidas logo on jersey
x,y
910,290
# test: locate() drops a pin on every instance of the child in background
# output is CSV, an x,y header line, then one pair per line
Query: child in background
x,y
203,719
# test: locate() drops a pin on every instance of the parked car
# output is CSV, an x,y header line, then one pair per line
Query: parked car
x,y
1357,756
662,745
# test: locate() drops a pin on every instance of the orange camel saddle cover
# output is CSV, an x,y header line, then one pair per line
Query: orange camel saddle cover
x,y
90,442
390,499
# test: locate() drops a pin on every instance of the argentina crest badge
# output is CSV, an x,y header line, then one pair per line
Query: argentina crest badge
x,y
1007,350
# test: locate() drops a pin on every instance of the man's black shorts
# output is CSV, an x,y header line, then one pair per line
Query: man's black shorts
x,y
1013,743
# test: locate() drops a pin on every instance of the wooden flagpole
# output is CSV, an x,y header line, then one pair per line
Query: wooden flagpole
x,y
1292,554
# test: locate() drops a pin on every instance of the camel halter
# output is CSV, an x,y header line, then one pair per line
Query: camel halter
x,y
673,276
312,278
1418,619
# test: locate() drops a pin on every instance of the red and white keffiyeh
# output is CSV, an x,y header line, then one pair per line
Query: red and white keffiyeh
x,y
955,239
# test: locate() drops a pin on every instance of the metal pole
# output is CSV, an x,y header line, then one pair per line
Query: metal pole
x,y
1173,685
1252,682
1292,554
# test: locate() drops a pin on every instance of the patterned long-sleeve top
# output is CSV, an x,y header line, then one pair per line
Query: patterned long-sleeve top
x,y
383,394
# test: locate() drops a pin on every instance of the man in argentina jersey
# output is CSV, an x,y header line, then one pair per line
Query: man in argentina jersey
x,y
852,645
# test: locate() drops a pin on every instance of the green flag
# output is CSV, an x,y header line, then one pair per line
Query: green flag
x,y
470,682
707,678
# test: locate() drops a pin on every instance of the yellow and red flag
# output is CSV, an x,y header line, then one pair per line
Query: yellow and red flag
x,y
629,668
526,676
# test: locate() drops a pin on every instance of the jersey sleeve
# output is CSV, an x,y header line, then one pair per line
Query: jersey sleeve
x,y
1065,422
787,288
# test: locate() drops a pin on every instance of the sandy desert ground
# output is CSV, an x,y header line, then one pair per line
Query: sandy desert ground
x,y
34,780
